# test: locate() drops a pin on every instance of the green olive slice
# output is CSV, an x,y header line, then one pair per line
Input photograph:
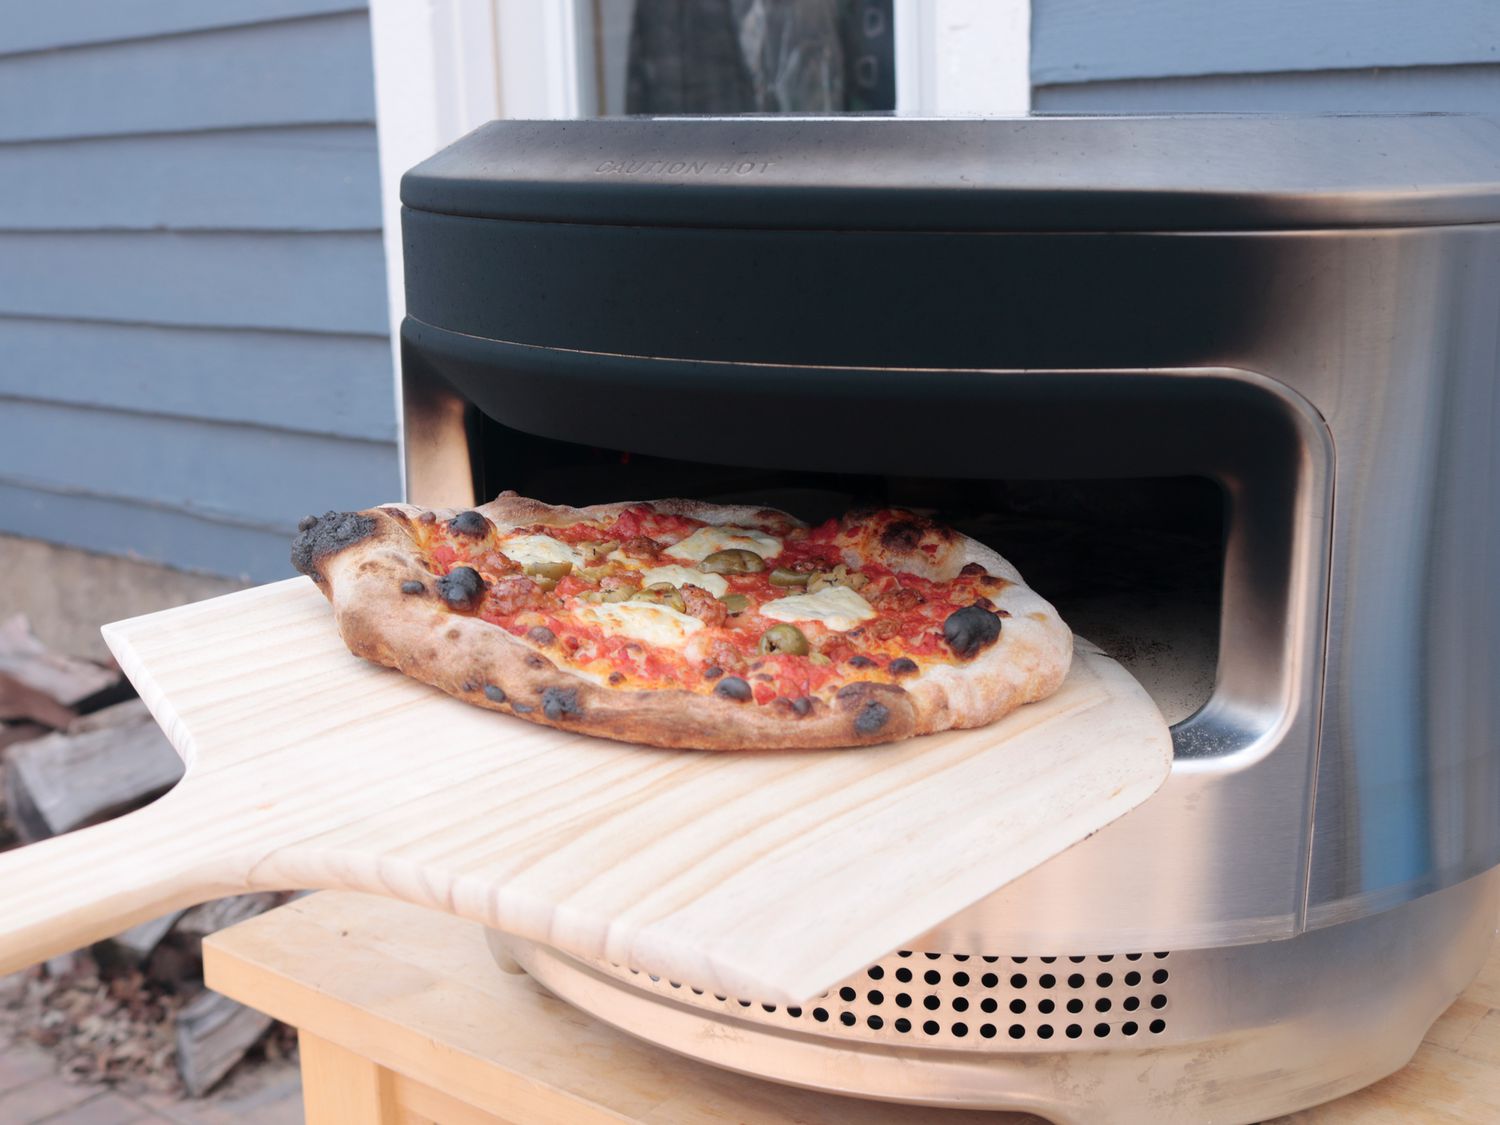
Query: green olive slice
x,y
781,576
662,593
733,561
787,639
552,570
735,603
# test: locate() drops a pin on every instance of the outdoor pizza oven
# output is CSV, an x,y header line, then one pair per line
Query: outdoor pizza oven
x,y
1224,388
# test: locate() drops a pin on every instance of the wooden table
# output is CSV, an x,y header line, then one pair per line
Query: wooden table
x,y
405,1018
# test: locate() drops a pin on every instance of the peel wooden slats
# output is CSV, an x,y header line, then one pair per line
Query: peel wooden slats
x,y
766,875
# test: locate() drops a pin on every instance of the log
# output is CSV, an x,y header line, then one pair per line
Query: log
x,y
214,916
134,945
11,733
22,701
213,1033
66,780
124,713
64,678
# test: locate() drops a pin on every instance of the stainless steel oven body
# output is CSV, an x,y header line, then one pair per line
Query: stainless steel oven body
x,y
1300,311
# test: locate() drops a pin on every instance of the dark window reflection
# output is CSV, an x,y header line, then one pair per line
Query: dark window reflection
x,y
746,56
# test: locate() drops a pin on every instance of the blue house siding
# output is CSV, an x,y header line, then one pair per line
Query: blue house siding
x,y
193,335
1093,56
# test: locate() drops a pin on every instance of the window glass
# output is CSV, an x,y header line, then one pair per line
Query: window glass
x,y
743,56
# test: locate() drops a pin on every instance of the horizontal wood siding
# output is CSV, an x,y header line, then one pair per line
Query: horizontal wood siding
x,y
300,72
1098,40
220,180
1166,56
260,476
315,383
108,525
312,282
72,23
1453,89
193,337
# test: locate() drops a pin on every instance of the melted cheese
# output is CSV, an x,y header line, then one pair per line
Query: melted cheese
x,y
531,549
706,540
836,607
659,625
682,576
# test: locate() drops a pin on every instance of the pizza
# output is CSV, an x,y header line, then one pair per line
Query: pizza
x,y
680,623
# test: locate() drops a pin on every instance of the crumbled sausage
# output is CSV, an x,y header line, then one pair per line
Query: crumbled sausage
x,y
899,601
703,605
512,595
641,547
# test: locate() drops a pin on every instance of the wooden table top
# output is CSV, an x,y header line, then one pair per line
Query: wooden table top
x,y
417,992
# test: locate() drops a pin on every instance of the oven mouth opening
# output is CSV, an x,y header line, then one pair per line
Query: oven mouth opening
x,y
1134,565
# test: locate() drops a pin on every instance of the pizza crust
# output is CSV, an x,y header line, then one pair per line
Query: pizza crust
x,y
361,560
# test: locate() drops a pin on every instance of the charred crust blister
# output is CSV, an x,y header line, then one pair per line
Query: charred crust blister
x,y
732,687
462,588
494,693
903,535
321,536
971,630
872,717
854,691
560,703
472,524
412,586
860,660
902,666
802,705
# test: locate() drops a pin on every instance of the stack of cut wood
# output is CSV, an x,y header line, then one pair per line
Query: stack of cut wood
x,y
77,748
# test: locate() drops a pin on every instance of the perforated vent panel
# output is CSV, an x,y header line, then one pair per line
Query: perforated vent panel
x,y
958,1000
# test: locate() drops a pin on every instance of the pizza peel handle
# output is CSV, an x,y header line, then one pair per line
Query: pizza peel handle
x,y
78,888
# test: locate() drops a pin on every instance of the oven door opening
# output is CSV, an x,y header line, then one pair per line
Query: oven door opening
x,y
1134,565
1178,518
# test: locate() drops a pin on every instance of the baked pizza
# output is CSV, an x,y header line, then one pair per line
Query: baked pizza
x,y
681,623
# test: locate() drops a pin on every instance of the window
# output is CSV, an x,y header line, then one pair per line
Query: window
x,y
742,56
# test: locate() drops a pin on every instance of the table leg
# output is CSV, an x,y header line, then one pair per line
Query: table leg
x,y
340,1087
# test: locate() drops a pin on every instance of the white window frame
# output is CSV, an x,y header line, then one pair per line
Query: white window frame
x,y
445,67
963,58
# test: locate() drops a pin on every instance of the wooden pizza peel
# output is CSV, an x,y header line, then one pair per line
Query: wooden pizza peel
x,y
764,875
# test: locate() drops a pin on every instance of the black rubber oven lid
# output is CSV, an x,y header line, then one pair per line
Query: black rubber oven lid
x,y
1201,172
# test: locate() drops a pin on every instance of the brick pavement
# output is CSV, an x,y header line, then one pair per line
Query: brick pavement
x,y
33,1093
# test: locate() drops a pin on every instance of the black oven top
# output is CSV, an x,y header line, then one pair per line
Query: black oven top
x,y
1199,172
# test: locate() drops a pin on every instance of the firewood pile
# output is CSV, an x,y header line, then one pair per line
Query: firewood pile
x,y
77,748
